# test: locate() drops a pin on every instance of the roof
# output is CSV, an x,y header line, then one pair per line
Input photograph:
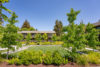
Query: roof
x,y
97,23
36,32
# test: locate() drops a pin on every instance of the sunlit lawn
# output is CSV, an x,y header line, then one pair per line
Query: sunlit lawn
x,y
46,48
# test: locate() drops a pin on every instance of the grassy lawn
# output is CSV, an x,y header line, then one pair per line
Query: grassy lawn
x,y
45,48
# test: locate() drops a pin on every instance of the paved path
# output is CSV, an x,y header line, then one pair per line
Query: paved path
x,y
20,49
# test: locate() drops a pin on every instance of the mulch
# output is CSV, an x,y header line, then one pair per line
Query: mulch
x,y
4,64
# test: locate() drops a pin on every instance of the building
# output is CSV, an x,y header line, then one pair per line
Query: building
x,y
97,26
33,33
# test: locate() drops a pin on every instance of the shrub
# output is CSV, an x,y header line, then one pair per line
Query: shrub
x,y
65,61
94,58
10,56
26,62
19,62
13,61
23,42
73,56
32,43
1,59
58,43
26,57
45,43
37,59
57,58
48,58
82,60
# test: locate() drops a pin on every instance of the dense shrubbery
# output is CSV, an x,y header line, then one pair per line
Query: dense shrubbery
x,y
58,59
48,58
32,43
38,57
45,43
57,43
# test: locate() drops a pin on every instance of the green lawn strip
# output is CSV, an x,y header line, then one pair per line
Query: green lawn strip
x,y
46,48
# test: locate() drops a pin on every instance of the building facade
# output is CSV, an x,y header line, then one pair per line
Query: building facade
x,y
97,26
33,33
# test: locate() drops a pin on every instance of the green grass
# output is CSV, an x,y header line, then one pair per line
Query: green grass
x,y
45,48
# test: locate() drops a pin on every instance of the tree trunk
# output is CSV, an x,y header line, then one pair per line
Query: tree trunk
x,y
7,54
1,13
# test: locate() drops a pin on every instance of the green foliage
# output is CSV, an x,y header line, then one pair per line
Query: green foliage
x,y
75,36
26,57
54,37
92,36
13,61
32,43
65,61
57,43
10,35
45,37
37,59
2,7
82,60
45,43
19,62
57,58
48,59
28,29
94,58
28,38
3,1
72,15
38,38
58,27
26,26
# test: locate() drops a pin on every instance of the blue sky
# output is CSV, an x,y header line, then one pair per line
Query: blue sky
x,y
42,14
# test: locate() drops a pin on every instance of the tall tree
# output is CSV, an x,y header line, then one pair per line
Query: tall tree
x,y
58,27
26,26
3,16
10,35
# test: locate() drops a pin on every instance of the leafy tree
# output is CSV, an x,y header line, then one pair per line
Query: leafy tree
x,y
10,35
26,26
58,28
38,38
54,37
28,38
92,36
45,37
3,16
75,36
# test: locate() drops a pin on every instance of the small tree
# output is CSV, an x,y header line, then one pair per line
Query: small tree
x,y
10,35
45,37
38,38
28,38
92,36
74,37
54,37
